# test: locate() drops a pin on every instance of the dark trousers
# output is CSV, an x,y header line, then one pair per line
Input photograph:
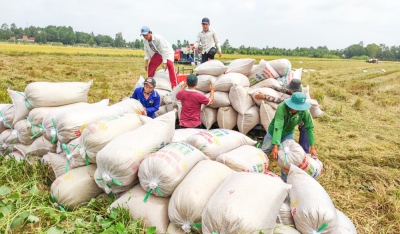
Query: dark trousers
x,y
201,126
209,55
303,140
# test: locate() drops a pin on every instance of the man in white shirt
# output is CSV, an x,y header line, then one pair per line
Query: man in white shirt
x,y
158,51
209,42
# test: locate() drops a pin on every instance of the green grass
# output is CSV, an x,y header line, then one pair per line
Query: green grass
x,y
357,138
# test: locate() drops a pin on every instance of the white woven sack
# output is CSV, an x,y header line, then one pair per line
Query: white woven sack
x,y
315,110
36,115
306,91
264,91
4,136
249,120
281,66
226,81
97,135
204,82
139,83
27,132
227,117
38,148
154,212
131,148
212,67
265,83
267,114
218,141
193,193
161,110
20,106
49,124
9,137
75,188
240,98
245,158
129,106
161,172
175,91
242,66
290,152
345,225
46,94
283,229
285,80
208,116
15,155
262,71
163,84
72,152
184,133
311,206
57,162
285,215
234,208
163,93
6,117
314,167
221,99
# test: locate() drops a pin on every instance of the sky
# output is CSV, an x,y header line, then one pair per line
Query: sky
x,y
336,24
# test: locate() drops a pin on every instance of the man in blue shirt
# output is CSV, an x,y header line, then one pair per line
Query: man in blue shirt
x,y
149,98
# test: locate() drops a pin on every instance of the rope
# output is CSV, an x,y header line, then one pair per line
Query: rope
x,y
53,140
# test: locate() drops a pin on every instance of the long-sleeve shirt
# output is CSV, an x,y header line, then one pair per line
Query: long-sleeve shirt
x,y
284,123
152,103
161,46
208,40
276,99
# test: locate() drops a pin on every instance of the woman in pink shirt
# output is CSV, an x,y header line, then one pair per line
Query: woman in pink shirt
x,y
191,101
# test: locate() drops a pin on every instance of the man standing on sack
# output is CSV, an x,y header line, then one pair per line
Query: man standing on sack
x,y
158,51
209,42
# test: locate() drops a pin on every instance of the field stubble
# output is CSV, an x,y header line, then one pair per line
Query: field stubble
x,y
357,138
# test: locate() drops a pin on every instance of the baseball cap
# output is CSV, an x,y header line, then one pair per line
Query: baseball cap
x,y
151,81
191,80
145,30
205,21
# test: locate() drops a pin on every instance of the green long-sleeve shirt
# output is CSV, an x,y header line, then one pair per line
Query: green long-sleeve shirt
x,y
284,123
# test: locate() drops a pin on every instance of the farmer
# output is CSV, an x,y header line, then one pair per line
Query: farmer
x,y
293,86
158,50
191,101
149,98
209,42
289,113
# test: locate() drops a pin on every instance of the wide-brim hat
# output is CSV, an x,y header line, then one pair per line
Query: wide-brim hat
x,y
297,102
295,85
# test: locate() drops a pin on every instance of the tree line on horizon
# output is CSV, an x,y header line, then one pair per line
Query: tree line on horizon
x,y
62,35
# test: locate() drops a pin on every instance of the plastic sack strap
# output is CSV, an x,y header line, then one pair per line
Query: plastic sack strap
x,y
53,140
64,146
5,122
325,225
55,201
285,155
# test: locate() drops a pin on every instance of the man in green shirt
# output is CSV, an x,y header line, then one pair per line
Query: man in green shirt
x,y
289,114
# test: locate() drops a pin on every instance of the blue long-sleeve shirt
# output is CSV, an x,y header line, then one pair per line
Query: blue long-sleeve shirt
x,y
152,104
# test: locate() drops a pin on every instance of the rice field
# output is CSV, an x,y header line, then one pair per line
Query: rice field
x,y
357,138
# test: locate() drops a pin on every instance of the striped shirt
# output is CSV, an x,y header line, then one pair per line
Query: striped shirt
x,y
207,40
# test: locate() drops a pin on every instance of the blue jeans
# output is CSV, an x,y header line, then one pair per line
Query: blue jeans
x,y
267,147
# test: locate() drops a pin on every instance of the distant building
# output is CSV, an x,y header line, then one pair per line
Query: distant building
x,y
24,38
12,38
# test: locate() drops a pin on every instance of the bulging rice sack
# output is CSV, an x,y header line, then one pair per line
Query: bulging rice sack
x,y
245,158
290,152
27,132
49,123
75,188
208,116
281,66
72,152
139,83
36,115
240,99
267,114
38,148
20,107
226,81
47,94
57,162
184,133
7,117
285,215
163,84
285,80
9,137
315,110
204,82
98,134
234,208
212,67
345,225
129,106
264,91
6,147
227,117
312,208
221,99
218,141
262,71
163,93
131,148
249,120
283,229
242,66
265,83
161,172
161,110
193,193
154,212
